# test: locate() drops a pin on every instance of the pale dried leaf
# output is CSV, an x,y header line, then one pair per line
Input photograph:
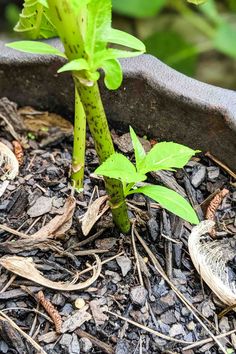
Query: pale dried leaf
x,y
60,224
211,259
36,121
26,268
124,263
8,163
93,214
98,310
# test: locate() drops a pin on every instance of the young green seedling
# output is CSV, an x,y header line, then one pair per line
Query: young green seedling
x,y
84,27
163,156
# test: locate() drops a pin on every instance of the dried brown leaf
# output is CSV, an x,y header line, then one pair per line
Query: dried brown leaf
x,y
93,214
8,163
44,238
26,268
98,310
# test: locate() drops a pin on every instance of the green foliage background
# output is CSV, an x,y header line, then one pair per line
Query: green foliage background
x,y
199,41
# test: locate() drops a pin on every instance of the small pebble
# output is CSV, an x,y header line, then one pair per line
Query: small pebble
x,y
198,176
176,330
213,173
85,345
138,295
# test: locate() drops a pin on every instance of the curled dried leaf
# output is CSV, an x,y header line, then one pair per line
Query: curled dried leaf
x,y
93,214
213,259
8,163
26,268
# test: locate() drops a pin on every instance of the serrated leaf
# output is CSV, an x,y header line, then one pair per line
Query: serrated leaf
x,y
171,201
122,38
35,47
166,156
113,74
119,167
138,149
98,24
74,65
35,20
225,39
138,8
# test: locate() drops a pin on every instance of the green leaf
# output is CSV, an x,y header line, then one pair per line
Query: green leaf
x,y
122,38
138,149
98,24
111,53
196,2
35,20
171,201
166,156
171,48
225,39
113,74
119,167
74,65
138,8
35,47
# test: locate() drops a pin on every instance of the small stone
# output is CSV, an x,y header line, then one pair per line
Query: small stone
x,y
70,343
122,347
191,326
224,325
168,318
67,309
153,228
208,308
138,295
176,330
169,299
213,173
198,176
85,345
43,205
58,299
3,347
76,320
124,263
115,277
177,273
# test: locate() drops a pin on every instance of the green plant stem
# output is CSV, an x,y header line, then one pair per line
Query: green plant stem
x,y
78,157
197,21
97,121
62,14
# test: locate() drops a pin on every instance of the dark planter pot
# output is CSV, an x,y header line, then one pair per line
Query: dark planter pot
x,y
156,100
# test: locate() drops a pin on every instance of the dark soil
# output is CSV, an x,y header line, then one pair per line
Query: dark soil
x,y
44,173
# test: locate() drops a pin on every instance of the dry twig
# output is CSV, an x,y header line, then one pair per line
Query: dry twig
x,y
218,162
174,288
25,335
51,310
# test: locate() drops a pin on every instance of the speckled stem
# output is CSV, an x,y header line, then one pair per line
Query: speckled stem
x,y
97,121
79,144
71,37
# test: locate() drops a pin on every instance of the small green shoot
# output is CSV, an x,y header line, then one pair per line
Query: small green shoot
x,y
163,156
